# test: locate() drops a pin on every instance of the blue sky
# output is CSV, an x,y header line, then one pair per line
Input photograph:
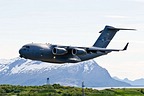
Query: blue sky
x,y
76,22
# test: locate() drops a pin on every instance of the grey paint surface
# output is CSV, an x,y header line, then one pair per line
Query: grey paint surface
x,y
71,54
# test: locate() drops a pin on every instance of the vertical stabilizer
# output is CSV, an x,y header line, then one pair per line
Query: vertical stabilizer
x,y
106,36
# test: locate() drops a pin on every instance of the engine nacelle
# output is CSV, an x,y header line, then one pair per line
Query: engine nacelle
x,y
78,51
59,51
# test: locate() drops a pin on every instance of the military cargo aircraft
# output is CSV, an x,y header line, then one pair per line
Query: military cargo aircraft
x,y
71,54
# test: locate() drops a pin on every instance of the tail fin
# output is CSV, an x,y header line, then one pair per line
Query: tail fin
x,y
106,36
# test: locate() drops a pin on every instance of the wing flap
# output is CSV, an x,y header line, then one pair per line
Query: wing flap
x,y
95,49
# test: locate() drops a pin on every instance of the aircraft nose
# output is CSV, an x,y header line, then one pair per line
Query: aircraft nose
x,y
21,52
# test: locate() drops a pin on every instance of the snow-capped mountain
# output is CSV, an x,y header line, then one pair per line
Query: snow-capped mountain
x,y
26,72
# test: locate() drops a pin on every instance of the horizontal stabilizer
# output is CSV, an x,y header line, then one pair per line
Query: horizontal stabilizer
x,y
113,28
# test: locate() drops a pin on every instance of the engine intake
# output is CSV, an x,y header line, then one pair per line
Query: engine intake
x,y
59,51
78,51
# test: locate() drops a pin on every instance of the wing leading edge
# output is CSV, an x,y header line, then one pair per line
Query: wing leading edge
x,y
95,49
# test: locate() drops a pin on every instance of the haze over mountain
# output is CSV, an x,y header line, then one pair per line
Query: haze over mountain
x,y
26,72
137,82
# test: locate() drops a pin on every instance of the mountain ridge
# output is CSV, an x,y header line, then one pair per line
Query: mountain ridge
x,y
136,82
26,72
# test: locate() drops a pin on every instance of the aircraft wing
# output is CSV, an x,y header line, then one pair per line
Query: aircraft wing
x,y
62,50
95,49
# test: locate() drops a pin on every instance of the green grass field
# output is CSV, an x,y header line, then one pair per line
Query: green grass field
x,y
57,90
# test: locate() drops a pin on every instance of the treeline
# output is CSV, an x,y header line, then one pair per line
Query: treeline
x,y
58,90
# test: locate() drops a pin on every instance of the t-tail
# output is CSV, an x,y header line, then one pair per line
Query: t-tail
x,y
106,36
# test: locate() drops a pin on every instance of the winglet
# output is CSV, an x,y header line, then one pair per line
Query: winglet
x,y
125,48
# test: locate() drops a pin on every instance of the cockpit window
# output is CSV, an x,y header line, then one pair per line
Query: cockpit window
x,y
26,46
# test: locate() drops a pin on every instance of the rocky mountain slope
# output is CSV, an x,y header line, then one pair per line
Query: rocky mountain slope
x,y
26,72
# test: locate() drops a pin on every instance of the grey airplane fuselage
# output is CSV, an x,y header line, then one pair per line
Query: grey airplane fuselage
x,y
71,54
44,52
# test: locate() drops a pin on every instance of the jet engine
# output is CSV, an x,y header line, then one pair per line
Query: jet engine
x,y
59,51
78,51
